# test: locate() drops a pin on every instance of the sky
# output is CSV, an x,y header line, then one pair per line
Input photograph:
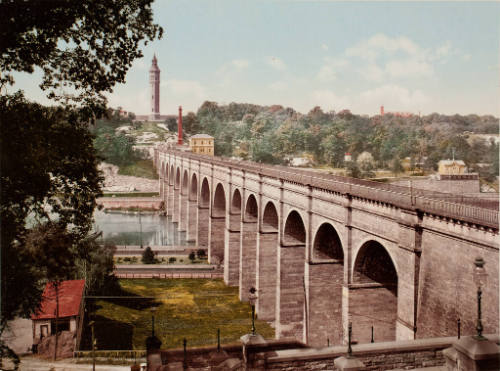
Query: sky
x,y
408,56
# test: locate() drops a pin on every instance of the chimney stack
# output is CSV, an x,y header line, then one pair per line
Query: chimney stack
x,y
179,127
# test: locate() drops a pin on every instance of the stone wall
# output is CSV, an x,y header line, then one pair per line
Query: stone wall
x,y
408,354
146,203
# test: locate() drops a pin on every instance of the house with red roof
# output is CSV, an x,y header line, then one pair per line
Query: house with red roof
x,y
70,309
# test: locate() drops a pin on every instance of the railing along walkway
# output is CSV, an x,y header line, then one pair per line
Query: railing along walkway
x,y
467,209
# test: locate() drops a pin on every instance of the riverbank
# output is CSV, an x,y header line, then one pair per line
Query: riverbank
x,y
125,183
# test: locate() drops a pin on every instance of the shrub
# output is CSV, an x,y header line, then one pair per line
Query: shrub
x,y
148,257
172,259
192,256
201,254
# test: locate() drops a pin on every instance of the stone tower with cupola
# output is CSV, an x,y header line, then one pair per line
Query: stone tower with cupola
x,y
154,82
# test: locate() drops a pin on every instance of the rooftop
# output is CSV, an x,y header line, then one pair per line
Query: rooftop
x,y
70,297
202,136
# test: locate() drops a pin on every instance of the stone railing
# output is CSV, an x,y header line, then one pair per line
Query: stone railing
x,y
466,209
396,355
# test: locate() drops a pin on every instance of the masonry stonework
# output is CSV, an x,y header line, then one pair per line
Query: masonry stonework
x,y
337,250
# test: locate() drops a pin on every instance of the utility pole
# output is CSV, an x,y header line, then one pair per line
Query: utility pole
x,y
93,344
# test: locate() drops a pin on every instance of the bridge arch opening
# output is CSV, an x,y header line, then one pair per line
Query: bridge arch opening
x,y
203,230
171,175
194,188
292,255
251,209
373,301
217,226
185,183
219,208
205,194
248,258
295,231
270,217
178,178
267,263
236,202
327,243
232,248
325,311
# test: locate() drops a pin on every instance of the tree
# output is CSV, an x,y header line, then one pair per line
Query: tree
x,y
148,257
397,166
49,168
192,256
353,170
52,177
87,46
201,253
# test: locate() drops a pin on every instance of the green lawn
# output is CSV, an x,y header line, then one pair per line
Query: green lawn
x,y
140,168
187,308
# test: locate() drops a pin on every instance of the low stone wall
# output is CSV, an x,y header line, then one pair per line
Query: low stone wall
x,y
144,203
408,354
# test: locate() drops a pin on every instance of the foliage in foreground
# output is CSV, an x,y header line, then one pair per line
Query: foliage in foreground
x,y
50,181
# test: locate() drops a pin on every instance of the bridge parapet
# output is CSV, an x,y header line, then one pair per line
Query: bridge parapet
x,y
465,209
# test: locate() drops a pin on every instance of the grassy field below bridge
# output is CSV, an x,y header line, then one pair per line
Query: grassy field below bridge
x,y
186,308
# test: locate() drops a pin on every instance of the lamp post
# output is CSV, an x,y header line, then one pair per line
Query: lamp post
x,y
252,298
480,279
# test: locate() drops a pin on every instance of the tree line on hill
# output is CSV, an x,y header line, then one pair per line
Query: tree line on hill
x,y
274,134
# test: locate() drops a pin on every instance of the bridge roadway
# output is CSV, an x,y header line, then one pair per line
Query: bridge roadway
x,y
324,250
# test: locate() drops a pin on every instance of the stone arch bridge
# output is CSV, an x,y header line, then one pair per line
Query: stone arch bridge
x,y
325,250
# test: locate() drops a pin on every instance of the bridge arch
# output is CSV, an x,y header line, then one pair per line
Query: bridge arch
x,y
374,296
185,183
217,226
294,232
248,258
292,255
267,255
219,205
325,311
171,177
205,193
327,243
236,202
270,218
203,232
251,209
178,178
193,194
232,247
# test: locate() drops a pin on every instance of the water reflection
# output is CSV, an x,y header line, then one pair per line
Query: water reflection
x,y
125,229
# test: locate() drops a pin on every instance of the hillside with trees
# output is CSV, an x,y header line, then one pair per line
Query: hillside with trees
x,y
274,134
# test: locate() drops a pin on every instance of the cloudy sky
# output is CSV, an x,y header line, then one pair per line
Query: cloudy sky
x,y
408,56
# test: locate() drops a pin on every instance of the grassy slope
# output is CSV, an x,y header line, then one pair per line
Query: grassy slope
x,y
140,168
188,308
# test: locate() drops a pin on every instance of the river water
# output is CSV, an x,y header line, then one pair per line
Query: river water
x,y
132,229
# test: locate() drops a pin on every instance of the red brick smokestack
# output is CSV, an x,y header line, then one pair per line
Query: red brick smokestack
x,y
381,110
179,126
